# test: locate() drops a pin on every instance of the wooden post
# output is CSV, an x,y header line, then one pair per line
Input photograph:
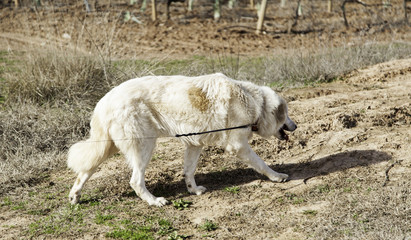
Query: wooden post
x,y
282,3
231,4
87,6
299,9
345,17
217,10
261,16
153,10
405,12
343,9
330,6
143,6
16,3
190,5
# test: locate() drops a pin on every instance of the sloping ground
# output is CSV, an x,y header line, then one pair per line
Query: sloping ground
x,y
348,162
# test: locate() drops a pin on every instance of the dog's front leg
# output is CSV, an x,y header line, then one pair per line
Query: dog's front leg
x,y
246,154
191,157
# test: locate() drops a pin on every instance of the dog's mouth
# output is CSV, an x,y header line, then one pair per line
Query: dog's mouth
x,y
283,135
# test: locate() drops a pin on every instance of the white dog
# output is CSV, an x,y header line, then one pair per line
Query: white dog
x,y
134,114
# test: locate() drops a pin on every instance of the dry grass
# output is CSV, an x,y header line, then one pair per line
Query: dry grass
x,y
297,67
292,68
48,99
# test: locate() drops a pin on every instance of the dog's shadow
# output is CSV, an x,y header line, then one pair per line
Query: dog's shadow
x,y
296,171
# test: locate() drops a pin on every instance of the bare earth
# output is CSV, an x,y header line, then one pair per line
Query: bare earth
x,y
349,160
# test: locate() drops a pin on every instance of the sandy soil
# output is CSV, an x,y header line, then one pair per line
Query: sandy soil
x,y
348,161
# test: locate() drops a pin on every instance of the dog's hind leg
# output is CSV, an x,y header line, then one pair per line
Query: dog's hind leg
x,y
138,156
82,178
84,158
191,157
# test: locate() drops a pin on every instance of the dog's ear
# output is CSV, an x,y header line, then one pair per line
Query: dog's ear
x,y
280,113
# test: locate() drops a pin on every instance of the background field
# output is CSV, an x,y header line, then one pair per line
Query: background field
x,y
348,90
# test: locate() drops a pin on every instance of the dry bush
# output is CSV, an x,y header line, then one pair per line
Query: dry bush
x,y
293,68
55,77
35,139
299,67
48,103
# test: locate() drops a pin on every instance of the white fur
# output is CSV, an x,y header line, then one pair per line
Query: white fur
x,y
131,116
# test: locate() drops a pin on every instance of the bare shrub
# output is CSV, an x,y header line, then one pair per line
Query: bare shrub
x,y
35,139
298,67
55,77
47,106
291,68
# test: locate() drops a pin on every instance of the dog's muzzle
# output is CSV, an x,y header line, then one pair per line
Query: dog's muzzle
x,y
283,135
290,126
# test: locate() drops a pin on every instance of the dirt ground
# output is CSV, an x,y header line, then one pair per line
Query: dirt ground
x,y
349,160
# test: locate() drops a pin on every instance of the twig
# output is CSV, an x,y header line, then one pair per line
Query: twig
x,y
405,11
296,17
343,9
387,177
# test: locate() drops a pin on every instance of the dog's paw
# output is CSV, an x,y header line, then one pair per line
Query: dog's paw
x,y
74,198
198,190
279,177
159,202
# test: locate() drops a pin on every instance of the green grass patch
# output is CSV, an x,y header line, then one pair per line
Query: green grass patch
x,y
6,202
165,227
209,226
181,204
310,212
176,236
61,221
233,190
131,231
293,198
323,188
103,219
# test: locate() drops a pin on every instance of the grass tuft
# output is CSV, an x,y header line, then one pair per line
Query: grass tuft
x,y
131,232
209,226
103,219
182,204
233,190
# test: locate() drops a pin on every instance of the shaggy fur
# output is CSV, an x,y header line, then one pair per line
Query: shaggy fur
x,y
134,114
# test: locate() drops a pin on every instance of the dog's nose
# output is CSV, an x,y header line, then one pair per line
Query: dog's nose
x,y
290,127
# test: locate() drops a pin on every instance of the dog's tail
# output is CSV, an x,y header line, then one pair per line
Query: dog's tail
x,y
87,155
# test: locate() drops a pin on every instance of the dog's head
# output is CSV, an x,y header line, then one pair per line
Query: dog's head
x,y
275,120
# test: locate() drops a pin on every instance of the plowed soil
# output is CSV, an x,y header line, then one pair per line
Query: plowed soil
x,y
106,31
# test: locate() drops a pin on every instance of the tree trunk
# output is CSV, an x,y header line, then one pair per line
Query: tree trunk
x,y
261,16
